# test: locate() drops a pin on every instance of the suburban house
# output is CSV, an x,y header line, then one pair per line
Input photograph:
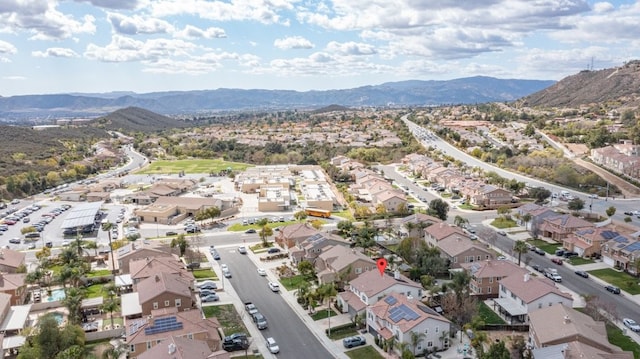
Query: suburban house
x,y
341,264
290,236
435,233
165,290
145,333
561,329
398,316
458,250
537,214
558,227
623,158
621,252
15,285
486,275
147,267
370,287
133,251
413,225
393,200
588,242
11,260
309,248
486,195
520,295
176,347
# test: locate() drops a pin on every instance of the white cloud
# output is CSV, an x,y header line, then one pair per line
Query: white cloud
x,y
293,42
14,78
192,32
116,4
55,52
263,11
602,7
7,48
133,25
42,19
350,48
605,25
125,49
558,63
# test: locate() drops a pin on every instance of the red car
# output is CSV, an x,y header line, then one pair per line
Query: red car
x,y
557,261
9,222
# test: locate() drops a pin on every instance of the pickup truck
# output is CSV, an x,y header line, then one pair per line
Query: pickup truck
x,y
251,308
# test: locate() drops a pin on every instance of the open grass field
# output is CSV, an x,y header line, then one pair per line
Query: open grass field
x,y
622,280
191,166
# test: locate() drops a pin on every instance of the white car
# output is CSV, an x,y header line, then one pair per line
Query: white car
x,y
242,250
224,267
65,243
273,346
631,324
262,272
275,287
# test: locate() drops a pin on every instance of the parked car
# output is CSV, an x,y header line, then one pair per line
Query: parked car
x,y
354,341
215,255
272,346
570,254
205,292
262,272
226,273
631,324
171,233
207,284
236,341
582,273
557,261
210,298
540,251
560,252
275,287
250,230
502,233
14,241
273,250
628,213
260,320
242,250
537,268
31,246
612,289
193,265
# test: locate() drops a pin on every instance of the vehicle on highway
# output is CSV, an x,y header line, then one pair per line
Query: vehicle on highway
x,y
31,246
262,272
210,298
272,346
612,289
354,341
557,261
171,233
631,324
501,258
275,287
582,273
628,213
242,250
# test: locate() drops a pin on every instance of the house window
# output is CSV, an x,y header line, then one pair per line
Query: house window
x,y
521,302
486,257
178,302
426,331
148,345
167,303
429,344
437,329
132,348
539,305
488,289
478,258
550,304
490,279
158,341
190,335
479,280
358,270
155,305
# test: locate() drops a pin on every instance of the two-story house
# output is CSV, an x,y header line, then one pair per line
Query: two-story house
x,y
309,249
560,226
165,290
396,316
15,285
135,251
588,242
11,260
520,295
489,196
176,347
486,275
146,267
560,329
621,252
435,233
413,225
458,250
289,236
145,333
391,199
370,287
341,264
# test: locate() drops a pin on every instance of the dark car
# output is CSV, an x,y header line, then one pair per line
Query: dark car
x,y
171,233
582,273
193,265
250,230
273,250
612,289
560,252
557,261
540,251
354,341
14,240
502,233
236,341
537,268
570,254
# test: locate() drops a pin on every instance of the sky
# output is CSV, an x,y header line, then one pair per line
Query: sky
x,y
96,46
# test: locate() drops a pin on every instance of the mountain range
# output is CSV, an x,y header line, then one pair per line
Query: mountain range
x,y
471,90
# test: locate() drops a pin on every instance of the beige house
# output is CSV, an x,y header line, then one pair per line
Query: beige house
x,y
143,334
171,210
289,236
436,233
147,267
176,347
587,242
413,225
11,260
393,200
341,264
310,248
15,285
165,290
273,198
486,275
560,226
458,250
134,251
577,332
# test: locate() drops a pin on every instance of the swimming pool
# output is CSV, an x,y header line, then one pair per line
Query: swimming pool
x,y
59,317
56,295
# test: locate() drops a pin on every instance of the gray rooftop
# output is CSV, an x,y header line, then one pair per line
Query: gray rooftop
x,y
81,215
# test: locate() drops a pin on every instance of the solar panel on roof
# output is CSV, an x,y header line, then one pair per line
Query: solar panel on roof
x,y
390,300
633,247
609,234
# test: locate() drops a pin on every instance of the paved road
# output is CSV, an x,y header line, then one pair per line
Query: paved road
x,y
292,335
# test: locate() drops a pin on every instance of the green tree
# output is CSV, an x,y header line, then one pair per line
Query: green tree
x,y
300,215
520,247
114,352
460,221
49,340
265,231
497,351
181,243
575,204
110,306
416,338
345,228
610,211
306,269
438,208
539,194
73,302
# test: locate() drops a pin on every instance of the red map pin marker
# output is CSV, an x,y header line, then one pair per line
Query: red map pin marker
x,y
382,265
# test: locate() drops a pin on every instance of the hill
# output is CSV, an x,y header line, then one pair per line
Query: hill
x,y
615,84
469,90
134,119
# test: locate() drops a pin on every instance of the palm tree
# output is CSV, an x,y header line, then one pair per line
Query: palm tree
x,y
111,305
416,338
181,243
526,218
91,245
73,301
114,352
107,227
443,337
520,247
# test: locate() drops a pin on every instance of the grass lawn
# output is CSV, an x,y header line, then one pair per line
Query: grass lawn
x,y
227,316
98,273
366,352
343,333
95,291
616,337
205,274
347,215
116,320
239,227
488,315
323,314
503,223
623,280
545,246
259,248
578,260
293,282
192,166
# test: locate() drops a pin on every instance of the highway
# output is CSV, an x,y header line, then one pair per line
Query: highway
x,y
292,335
